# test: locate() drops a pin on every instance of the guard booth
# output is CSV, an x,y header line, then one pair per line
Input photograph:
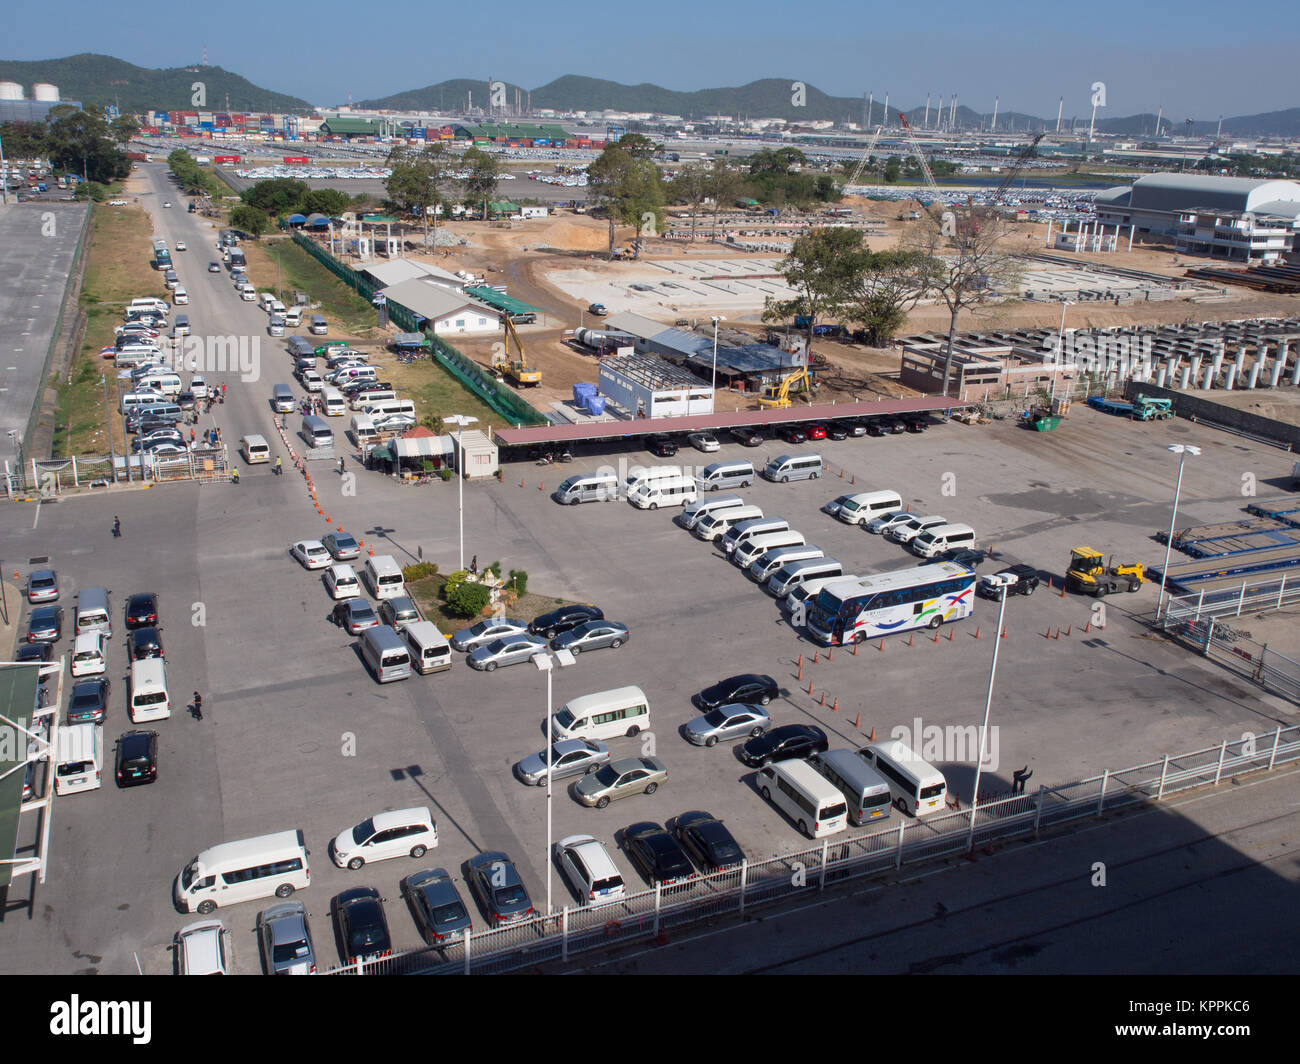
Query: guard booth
x,y
480,458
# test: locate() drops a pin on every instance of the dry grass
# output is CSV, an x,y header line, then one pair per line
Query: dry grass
x,y
436,392
349,315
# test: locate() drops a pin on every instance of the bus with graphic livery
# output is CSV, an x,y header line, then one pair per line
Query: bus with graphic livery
x,y
851,611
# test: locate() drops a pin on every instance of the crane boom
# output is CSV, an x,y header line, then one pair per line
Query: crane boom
x,y
1026,153
866,154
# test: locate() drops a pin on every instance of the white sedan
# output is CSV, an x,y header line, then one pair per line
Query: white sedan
x,y
180,246
203,949
703,441
199,387
311,553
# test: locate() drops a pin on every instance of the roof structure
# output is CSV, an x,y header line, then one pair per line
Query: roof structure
x,y
513,131
432,301
394,272
501,301
697,349
18,685
1179,192
368,127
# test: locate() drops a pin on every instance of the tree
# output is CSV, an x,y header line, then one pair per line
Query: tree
x,y
81,142
484,174
822,268
123,128
638,146
327,201
892,282
281,195
970,266
627,187
24,140
413,185
251,220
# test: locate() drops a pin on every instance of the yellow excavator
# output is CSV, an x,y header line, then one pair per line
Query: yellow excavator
x,y
517,370
778,395
1092,574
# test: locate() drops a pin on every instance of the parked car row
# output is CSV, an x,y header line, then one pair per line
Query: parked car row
x,y
665,444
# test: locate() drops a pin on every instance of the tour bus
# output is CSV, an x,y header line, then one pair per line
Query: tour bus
x,y
917,786
886,603
243,871
808,798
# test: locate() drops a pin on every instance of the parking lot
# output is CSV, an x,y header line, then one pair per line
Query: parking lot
x,y
296,734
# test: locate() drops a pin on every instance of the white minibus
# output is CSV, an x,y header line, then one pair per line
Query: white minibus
x,y
804,795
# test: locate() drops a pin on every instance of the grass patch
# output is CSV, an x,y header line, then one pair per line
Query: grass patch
x,y
347,313
435,391
117,271
428,596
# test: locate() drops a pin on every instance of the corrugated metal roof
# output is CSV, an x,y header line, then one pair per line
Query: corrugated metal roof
x,y
431,300
1179,192
509,304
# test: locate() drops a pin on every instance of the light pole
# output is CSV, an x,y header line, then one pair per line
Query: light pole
x,y
1182,450
988,706
1060,350
460,421
713,381
546,662
108,417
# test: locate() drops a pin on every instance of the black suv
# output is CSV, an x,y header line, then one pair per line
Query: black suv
x,y
566,617
792,433
750,687
142,611
783,744
137,758
661,445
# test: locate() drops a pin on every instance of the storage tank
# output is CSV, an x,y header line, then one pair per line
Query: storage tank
x,y
581,391
595,405
10,90
45,92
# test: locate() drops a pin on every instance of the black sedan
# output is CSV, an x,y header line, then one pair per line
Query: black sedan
x,y
661,446
137,758
749,687
37,652
836,431
783,744
495,882
566,617
747,437
142,611
360,927
45,625
145,643
435,905
89,701
792,433
708,841
656,854
873,428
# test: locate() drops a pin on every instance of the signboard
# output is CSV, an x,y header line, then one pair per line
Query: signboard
x,y
225,158
300,159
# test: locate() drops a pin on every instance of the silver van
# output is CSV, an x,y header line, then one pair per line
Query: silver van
x,y
787,467
771,560
384,651
430,651
793,574
750,549
92,612
717,523
726,475
275,327
282,400
692,514
744,531
587,487
317,326
806,593
863,787
301,347
316,432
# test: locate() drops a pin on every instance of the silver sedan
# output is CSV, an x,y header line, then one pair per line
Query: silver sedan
x,y
509,651
487,631
736,720
591,635
569,757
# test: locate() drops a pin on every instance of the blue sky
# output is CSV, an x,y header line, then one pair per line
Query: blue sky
x,y
1194,59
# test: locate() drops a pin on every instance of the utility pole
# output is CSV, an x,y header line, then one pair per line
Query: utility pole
x,y
108,418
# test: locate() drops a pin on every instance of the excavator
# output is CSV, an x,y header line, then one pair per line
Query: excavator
x,y
517,370
778,395
1092,574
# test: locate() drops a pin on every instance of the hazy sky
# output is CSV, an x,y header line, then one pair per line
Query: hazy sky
x,y
1193,58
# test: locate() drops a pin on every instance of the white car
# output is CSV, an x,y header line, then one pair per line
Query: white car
x,y
906,531
312,381
199,387
203,948
167,203
396,833
341,582
588,868
703,441
311,553
180,245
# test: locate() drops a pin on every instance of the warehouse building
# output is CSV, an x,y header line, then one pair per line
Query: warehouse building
x,y
647,386
1241,219
448,313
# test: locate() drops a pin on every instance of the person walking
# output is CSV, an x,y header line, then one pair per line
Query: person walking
x,y
278,466
473,565
198,706
223,393
191,437
117,527
342,466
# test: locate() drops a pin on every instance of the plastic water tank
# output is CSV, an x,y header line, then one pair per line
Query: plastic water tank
x,y
581,391
595,405
10,90
46,92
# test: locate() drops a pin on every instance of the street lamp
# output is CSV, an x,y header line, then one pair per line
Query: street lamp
x,y
713,382
460,420
1060,348
1182,450
988,706
546,662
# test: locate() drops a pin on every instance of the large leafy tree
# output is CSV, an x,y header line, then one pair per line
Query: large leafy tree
x,y
823,268
82,142
890,284
24,140
281,195
483,174
251,220
626,185
413,186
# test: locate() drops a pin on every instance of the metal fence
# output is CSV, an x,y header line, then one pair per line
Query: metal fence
x,y
1271,593
497,395
644,916
1258,662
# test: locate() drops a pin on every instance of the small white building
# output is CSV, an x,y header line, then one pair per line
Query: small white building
x,y
533,212
480,457
648,386
449,313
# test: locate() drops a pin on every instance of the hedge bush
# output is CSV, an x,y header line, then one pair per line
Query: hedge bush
x,y
518,581
468,600
419,571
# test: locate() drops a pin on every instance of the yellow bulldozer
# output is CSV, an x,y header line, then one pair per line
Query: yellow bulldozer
x,y
1091,573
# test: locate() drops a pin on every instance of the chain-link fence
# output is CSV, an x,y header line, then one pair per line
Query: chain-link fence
x,y
643,916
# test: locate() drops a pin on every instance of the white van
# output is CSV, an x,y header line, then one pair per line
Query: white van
x,y
430,651
275,327
293,317
787,467
748,551
315,432
713,526
363,429
642,474
333,403
92,612
587,487
148,306
265,300
341,581
388,657
604,715
180,296
868,505
255,449
366,396
793,574
663,491
726,475
805,796
806,593
742,531
134,400
864,789
701,508
941,538
243,871
167,382
384,577
380,408
88,657
79,764
148,698
906,531
917,786
318,327
247,292
770,561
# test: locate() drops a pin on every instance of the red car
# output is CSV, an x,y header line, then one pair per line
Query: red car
x,y
816,432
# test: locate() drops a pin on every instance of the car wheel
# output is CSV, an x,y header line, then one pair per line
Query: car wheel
x,y
765,700
602,802
935,621
767,795
284,890
785,480
650,788
712,740
746,483
816,475
490,666
803,826
900,805
418,851
631,732
356,863
859,637
551,633
574,649
1029,589
616,643
654,506
206,907
754,733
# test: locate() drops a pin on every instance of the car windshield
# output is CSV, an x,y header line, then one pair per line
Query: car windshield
x,y
285,952
344,542
450,913
725,850
363,830
84,700
361,611
607,776
510,897
716,718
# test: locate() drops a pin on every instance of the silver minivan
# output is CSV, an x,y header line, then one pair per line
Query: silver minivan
x,y
587,487
387,655
697,511
744,531
282,400
863,787
771,560
726,475
795,574
92,612
787,467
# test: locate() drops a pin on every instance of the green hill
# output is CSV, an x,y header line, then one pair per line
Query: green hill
x,y
100,80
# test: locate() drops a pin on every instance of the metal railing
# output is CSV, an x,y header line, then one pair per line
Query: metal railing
x,y
1271,593
644,916
1217,640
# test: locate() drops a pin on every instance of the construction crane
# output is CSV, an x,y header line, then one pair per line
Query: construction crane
x,y
1026,153
517,370
865,157
925,168
778,395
